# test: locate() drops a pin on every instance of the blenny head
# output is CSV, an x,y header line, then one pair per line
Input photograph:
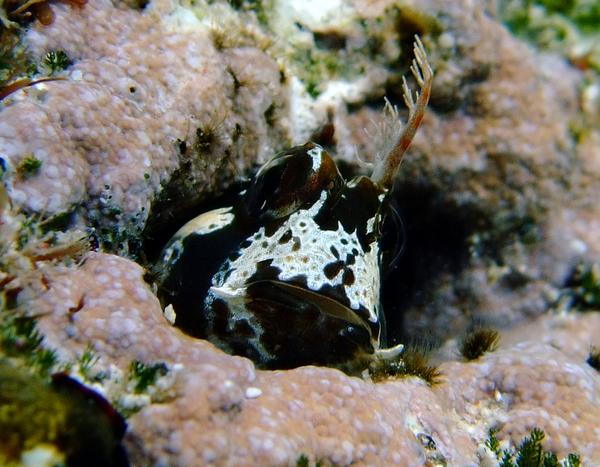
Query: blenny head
x,y
289,274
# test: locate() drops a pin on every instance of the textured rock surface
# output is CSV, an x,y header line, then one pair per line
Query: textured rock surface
x,y
222,410
496,192
107,137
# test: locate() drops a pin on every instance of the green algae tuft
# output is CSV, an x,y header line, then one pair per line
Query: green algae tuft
x,y
29,166
583,288
530,452
19,338
56,61
145,374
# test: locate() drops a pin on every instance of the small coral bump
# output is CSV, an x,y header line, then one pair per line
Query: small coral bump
x,y
593,359
479,341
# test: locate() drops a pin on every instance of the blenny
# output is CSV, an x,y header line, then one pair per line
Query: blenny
x,y
290,273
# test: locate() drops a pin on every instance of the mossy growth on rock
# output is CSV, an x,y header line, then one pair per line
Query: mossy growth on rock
x,y
15,60
324,51
40,239
36,238
304,461
530,452
141,386
19,338
59,422
477,342
525,15
29,166
413,361
114,230
145,375
584,287
259,7
86,364
568,27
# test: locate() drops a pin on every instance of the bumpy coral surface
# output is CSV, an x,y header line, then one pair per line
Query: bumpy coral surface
x,y
496,184
219,409
166,103
112,132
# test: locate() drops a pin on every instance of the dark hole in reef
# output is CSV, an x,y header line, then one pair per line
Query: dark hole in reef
x,y
436,234
463,94
300,26
331,40
138,4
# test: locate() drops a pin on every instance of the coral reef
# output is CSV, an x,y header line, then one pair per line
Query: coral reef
x,y
107,136
155,107
217,408
497,194
571,27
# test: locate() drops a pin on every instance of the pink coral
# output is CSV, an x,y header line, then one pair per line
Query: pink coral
x,y
226,412
137,85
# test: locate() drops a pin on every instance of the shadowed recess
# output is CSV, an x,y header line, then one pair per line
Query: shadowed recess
x,y
436,243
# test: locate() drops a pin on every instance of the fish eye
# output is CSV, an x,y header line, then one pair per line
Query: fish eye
x,y
293,179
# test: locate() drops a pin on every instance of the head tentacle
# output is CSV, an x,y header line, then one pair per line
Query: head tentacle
x,y
386,169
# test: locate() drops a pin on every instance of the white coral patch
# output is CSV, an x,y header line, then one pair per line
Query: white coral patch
x,y
169,313
253,393
314,14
